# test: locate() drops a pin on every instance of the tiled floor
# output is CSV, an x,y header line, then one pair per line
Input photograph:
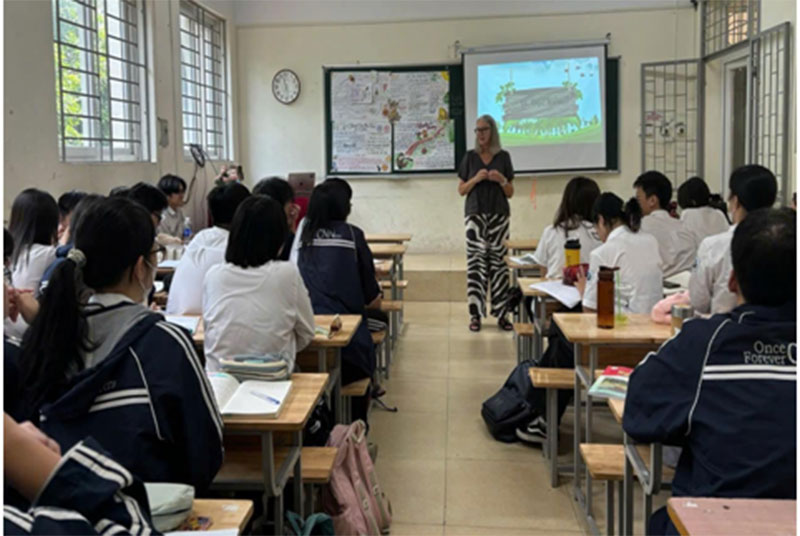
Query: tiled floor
x,y
443,472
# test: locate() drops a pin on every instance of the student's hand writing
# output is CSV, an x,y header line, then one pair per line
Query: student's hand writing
x,y
30,429
580,283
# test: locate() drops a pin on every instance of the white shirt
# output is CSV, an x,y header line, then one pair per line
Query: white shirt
x,y
708,284
640,279
703,222
27,274
675,243
255,311
206,249
550,251
294,254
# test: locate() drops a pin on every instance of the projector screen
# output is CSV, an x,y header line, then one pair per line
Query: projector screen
x,y
549,104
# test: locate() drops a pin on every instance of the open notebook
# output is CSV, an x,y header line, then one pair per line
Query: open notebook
x,y
251,398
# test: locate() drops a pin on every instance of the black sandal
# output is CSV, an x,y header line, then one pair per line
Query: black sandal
x,y
475,324
504,324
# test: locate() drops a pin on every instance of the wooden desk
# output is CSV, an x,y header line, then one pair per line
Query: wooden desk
x,y
699,516
307,388
384,268
539,300
387,238
521,270
617,408
518,245
224,513
387,251
581,329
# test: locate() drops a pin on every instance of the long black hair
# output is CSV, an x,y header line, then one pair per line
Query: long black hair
x,y
694,193
258,231
576,203
112,234
330,202
611,207
34,220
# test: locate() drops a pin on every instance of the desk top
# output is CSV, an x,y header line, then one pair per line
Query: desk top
x,y
525,285
384,267
733,516
617,407
523,244
306,391
384,251
341,339
517,266
224,513
639,329
387,238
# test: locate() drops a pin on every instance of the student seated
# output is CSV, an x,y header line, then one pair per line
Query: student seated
x,y
702,214
639,287
750,188
66,204
573,220
724,388
255,304
82,492
113,369
279,190
150,198
172,220
675,243
339,272
206,249
11,383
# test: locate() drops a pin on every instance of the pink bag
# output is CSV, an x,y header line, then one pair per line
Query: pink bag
x,y
662,311
354,499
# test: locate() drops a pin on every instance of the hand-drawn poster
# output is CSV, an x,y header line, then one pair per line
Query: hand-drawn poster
x,y
424,145
361,147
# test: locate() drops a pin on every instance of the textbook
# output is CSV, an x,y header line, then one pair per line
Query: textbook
x,y
329,331
613,383
527,259
251,398
566,294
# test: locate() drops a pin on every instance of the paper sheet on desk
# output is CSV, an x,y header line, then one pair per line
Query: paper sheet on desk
x,y
565,294
525,259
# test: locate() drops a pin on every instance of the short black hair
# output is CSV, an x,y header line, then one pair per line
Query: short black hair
x,y
275,187
258,231
612,208
119,191
223,201
764,256
657,184
68,201
694,193
149,197
34,220
171,184
754,186
84,205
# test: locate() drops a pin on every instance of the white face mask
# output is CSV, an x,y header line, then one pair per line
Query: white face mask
x,y
145,287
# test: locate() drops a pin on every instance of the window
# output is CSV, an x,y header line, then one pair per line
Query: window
x,y
727,23
204,97
101,80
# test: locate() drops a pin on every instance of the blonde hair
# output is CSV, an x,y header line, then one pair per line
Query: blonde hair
x,y
494,142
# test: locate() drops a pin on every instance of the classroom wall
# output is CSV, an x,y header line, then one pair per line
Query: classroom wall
x,y
279,139
31,132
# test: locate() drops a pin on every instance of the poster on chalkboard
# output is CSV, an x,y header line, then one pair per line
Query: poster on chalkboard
x,y
362,147
424,145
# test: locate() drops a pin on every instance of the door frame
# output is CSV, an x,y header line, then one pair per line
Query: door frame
x,y
728,69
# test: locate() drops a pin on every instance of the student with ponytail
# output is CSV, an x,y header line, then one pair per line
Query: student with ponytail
x,y
639,287
107,367
702,214
338,270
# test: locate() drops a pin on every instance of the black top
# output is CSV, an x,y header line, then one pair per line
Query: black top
x,y
487,197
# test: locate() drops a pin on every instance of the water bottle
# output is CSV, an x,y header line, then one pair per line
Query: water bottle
x,y
187,229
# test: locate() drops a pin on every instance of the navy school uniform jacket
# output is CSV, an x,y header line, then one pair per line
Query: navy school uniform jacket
x,y
88,493
339,273
148,401
724,390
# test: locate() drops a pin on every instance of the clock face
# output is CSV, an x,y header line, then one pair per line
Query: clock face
x,y
286,86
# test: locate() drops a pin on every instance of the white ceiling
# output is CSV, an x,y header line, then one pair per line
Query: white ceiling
x,y
286,12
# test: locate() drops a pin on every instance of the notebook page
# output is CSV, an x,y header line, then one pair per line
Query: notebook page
x,y
260,398
224,386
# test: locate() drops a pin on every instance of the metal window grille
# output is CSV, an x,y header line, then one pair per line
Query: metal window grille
x,y
101,80
727,23
672,118
770,68
204,97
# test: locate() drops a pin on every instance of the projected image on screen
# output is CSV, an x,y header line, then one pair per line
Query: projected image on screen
x,y
554,101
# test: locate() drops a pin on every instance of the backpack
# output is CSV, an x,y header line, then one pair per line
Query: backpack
x,y
313,525
354,498
510,407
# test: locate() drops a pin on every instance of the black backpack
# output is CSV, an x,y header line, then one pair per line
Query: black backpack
x,y
511,406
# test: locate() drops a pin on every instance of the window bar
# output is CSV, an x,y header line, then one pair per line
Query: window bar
x,y
110,113
60,85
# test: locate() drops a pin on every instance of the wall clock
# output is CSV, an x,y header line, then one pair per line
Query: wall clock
x,y
286,86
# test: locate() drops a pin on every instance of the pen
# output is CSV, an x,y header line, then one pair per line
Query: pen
x,y
266,398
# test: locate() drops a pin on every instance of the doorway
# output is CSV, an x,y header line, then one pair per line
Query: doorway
x,y
735,117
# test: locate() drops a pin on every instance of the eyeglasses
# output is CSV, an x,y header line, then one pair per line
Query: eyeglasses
x,y
160,252
482,129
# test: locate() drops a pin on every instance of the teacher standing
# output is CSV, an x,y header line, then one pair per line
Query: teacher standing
x,y
486,174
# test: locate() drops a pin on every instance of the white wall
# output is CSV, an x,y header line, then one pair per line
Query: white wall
x,y
279,139
31,134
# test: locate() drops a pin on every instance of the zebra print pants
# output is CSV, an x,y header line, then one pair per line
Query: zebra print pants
x,y
485,265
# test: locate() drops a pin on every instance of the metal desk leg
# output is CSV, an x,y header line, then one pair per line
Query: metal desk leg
x,y
620,508
592,367
268,474
298,477
552,434
539,333
627,487
609,507
576,429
